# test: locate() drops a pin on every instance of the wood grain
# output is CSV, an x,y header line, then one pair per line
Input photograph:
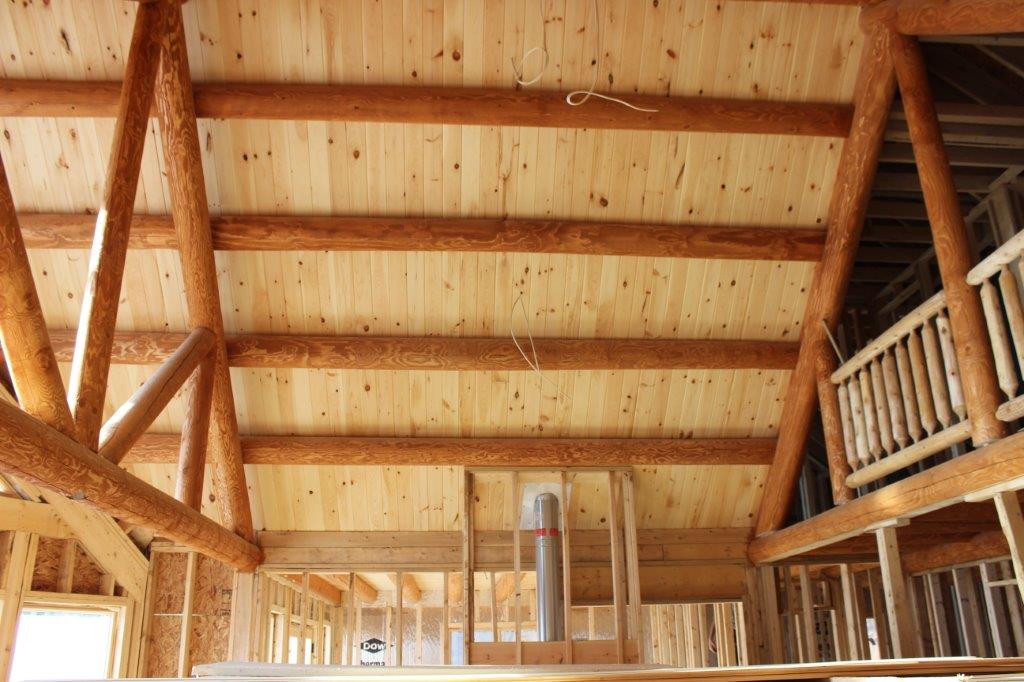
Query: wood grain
x,y
832,425
875,88
42,455
449,106
948,17
174,100
26,344
88,384
532,452
952,248
188,484
931,489
454,353
132,419
345,233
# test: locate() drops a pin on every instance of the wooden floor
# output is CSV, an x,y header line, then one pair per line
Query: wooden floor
x,y
911,668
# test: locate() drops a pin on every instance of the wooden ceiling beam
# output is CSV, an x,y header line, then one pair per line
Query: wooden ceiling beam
x,y
876,86
279,351
32,450
970,475
88,383
969,157
947,17
449,106
506,452
179,133
343,233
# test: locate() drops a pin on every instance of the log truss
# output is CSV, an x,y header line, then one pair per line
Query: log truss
x,y
62,447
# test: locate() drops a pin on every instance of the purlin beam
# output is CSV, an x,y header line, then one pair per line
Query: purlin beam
x,y
284,351
493,235
156,448
450,106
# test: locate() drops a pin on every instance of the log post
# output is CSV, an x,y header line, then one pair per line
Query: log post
x,y
952,247
180,135
902,625
832,424
88,385
875,87
26,343
188,487
1012,521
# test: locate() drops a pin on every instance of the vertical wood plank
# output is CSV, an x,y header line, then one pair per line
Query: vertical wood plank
x,y
632,560
852,620
517,565
901,620
810,630
21,561
399,618
618,594
566,564
467,567
185,639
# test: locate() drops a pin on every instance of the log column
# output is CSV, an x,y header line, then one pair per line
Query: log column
x,y
176,110
832,425
856,175
952,249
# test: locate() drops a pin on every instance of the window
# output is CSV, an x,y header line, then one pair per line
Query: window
x,y
86,638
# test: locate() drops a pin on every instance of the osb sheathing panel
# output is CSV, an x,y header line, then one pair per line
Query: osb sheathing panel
x,y
168,582
212,588
164,636
209,639
88,577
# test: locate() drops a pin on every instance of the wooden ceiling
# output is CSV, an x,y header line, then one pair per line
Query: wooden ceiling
x,y
759,51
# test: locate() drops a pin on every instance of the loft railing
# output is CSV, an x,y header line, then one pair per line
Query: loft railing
x,y
1000,287
900,398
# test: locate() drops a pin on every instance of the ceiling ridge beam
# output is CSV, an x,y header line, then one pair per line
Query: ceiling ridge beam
x,y
449,106
292,351
481,235
155,448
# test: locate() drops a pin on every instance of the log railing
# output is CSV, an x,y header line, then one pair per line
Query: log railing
x,y
900,397
1000,283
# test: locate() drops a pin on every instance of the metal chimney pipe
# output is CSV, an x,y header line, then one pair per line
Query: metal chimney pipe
x,y
549,580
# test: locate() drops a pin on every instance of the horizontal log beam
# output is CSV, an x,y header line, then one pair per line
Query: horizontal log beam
x,y
948,17
340,233
505,452
1001,463
32,450
432,105
278,351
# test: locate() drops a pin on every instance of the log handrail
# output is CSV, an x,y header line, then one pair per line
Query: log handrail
x,y
899,399
1006,254
886,339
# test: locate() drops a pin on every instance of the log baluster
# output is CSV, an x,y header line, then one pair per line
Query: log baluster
x,y
951,366
1009,287
907,392
894,399
997,333
881,407
936,374
922,385
849,435
867,397
860,428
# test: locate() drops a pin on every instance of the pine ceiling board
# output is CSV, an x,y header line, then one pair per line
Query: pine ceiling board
x,y
712,48
686,496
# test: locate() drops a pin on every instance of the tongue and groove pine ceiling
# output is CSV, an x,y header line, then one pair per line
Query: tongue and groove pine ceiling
x,y
725,48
